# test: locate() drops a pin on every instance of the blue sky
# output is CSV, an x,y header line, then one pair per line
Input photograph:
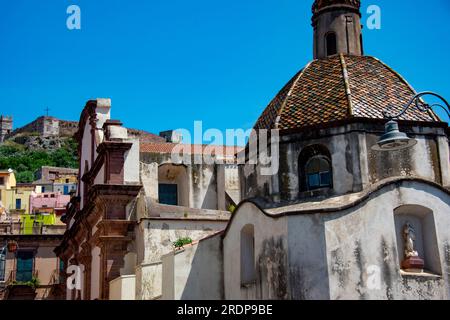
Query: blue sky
x,y
166,64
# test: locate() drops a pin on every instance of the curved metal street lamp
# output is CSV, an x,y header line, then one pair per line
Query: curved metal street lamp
x,y
393,139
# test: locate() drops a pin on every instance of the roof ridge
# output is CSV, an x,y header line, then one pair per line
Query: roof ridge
x,y
430,112
348,91
294,83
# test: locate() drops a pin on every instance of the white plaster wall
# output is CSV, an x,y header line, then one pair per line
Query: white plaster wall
x,y
159,235
361,249
444,159
85,156
122,288
267,230
422,155
341,255
149,281
342,179
157,240
131,166
195,272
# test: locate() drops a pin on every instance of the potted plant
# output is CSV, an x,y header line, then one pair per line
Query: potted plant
x,y
13,246
19,290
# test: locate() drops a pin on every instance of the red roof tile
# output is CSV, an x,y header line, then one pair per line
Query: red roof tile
x,y
339,88
189,148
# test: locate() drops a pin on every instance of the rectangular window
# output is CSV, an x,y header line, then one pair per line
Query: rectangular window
x,y
2,181
66,190
25,261
18,204
168,194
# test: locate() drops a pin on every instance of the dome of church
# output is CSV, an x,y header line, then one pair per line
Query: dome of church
x,y
321,4
340,87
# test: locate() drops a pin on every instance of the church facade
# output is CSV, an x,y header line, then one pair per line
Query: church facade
x,y
338,220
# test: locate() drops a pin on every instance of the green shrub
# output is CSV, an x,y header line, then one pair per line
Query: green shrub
x,y
25,162
180,243
232,208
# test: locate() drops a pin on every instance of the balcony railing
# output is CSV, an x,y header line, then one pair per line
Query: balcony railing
x,y
21,276
18,229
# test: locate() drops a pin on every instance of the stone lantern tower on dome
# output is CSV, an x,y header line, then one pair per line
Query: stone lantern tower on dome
x,y
337,28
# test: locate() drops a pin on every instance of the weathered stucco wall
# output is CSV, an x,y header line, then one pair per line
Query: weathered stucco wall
x,y
271,256
197,188
355,165
195,272
363,241
156,239
423,160
349,254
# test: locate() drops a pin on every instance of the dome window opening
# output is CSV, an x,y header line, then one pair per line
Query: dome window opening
x,y
331,43
318,171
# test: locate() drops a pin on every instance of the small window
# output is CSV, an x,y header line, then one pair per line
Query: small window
x,y
168,194
18,204
315,168
248,270
331,43
2,181
318,172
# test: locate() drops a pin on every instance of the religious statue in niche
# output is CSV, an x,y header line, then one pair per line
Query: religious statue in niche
x,y
412,262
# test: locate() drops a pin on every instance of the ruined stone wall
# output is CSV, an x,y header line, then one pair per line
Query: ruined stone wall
x,y
48,126
68,128
6,127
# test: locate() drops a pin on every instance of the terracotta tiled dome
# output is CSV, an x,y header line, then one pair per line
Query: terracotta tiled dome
x,y
321,4
340,88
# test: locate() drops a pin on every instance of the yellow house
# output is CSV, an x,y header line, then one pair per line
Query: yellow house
x,y
14,197
7,181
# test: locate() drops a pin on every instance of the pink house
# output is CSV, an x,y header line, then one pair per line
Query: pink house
x,y
50,200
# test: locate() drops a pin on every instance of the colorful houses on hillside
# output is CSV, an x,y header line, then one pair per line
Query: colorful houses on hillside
x,y
30,229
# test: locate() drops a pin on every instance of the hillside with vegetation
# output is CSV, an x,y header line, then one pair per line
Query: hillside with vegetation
x,y
25,158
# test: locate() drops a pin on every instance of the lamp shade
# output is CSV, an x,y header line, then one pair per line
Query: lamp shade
x,y
393,139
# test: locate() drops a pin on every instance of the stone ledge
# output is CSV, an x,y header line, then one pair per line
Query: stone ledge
x,y
423,275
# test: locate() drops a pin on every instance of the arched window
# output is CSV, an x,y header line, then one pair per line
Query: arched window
x,y
318,173
248,272
315,168
331,43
